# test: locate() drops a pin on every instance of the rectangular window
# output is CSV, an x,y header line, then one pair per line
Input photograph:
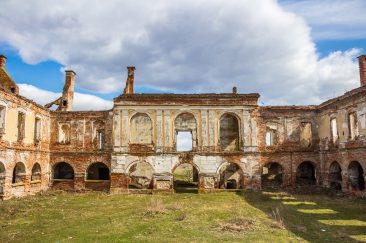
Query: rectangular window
x,y
352,126
21,126
268,138
334,130
184,141
271,137
100,140
37,130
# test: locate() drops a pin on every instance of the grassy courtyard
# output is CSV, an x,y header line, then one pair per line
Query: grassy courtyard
x,y
183,217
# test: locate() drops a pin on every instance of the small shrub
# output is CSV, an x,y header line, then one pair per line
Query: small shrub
x,y
155,207
278,219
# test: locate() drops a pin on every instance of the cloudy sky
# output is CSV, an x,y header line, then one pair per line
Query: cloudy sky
x,y
291,52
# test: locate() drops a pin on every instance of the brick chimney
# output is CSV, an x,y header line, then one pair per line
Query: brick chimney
x,y
2,61
68,92
362,65
130,80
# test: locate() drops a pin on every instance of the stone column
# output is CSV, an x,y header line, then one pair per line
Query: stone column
x,y
79,181
163,181
117,128
166,129
208,182
211,130
204,130
26,180
119,183
125,131
159,131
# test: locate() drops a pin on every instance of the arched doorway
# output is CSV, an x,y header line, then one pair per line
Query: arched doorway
x,y
229,133
231,176
18,173
2,178
63,176
305,174
63,171
97,177
272,175
335,176
36,172
140,176
355,176
185,178
98,171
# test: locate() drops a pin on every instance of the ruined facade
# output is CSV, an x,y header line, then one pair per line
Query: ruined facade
x,y
235,143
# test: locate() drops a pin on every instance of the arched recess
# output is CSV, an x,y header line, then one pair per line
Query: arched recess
x,y
97,177
36,172
141,129
185,123
185,178
356,176
272,175
231,176
305,174
19,173
2,177
229,132
335,176
63,171
98,171
140,176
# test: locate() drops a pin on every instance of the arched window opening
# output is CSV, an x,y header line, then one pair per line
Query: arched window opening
x,y
64,133
141,129
63,171
355,176
98,171
185,132
231,176
185,178
352,125
36,172
335,176
229,133
19,173
140,175
305,174
272,175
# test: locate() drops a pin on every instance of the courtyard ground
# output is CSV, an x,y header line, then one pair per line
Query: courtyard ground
x,y
183,217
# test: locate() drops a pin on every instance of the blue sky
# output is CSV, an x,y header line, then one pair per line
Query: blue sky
x,y
177,48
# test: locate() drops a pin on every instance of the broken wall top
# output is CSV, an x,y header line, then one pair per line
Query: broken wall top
x,y
188,99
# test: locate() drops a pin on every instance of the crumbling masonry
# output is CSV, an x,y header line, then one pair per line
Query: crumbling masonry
x,y
236,144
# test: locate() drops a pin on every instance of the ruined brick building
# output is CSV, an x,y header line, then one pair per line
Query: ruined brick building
x,y
236,144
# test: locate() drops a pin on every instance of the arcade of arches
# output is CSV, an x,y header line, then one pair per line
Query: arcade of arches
x,y
182,142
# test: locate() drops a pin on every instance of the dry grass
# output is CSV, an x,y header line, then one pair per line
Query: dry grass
x,y
155,207
278,219
237,225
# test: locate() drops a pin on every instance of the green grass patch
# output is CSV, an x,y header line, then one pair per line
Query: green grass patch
x,y
182,217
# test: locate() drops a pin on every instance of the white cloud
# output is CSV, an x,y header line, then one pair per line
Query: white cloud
x,y
332,19
81,101
181,46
